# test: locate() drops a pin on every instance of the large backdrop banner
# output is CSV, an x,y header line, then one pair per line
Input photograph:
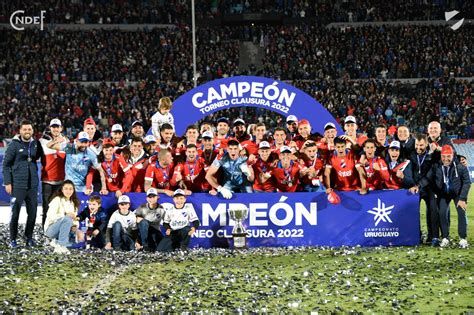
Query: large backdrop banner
x,y
302,219
243,91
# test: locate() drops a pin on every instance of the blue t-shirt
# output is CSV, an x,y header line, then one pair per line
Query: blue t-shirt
x,y
78,164
231,169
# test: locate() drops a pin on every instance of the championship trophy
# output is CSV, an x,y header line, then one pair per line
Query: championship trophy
x,y
239,234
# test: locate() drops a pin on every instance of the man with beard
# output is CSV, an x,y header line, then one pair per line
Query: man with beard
x,y
236,175
79,160
421,161
166,137
401,173
381,141
208,153
137,130
450,181
52,162
223,128
118,138
292,126
20,175
245,140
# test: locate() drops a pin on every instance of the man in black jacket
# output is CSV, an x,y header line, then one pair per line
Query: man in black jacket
x,y
20,175
451,183
436,141
421,161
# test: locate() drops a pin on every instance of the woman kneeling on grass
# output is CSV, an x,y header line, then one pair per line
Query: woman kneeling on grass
x,y
60,218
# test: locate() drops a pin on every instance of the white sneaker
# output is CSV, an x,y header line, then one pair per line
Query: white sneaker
x,y
53,243
463,243
444,242
61,250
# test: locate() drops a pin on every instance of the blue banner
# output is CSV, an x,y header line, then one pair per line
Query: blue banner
x,y
302,219
241,91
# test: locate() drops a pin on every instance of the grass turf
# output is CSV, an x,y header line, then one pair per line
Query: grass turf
x,y
397,279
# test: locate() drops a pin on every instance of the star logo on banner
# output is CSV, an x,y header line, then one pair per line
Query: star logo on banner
x,y
381,213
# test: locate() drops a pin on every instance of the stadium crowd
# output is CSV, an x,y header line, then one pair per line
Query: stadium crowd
x,y
179,11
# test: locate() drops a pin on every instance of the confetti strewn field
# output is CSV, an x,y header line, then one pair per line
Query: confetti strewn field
x,y
403,279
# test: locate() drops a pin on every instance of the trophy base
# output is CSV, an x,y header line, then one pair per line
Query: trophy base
x,y
240,240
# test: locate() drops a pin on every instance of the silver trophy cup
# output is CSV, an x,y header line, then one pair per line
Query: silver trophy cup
x,y
239,233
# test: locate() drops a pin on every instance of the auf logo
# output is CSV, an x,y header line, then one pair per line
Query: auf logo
x,y
381,213
449,15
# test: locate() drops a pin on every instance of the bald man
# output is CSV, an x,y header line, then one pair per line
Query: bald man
x,y
436,141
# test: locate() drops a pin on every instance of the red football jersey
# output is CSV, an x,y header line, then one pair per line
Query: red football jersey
x,y
395,182
374,178
316,164
260,167
52,163
287,180
117,174
160,177
344,174
137,173
192,174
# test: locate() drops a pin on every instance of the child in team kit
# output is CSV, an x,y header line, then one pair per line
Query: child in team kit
x,y
122,227
95,218
176,222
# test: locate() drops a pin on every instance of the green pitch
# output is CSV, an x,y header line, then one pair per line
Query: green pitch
x,y
400,279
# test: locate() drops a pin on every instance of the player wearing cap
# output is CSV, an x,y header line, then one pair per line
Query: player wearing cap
x,y
240,131
137,130
304,130
451,182
117,173
355,141
149,217
122,227
190,175
375,168
292,126
286,172
79,160
401,173
94,135
162,116
236,175
159,173
312,167
176,222
53,163
326,143
117,136
151,147
263,166
222,135
342,170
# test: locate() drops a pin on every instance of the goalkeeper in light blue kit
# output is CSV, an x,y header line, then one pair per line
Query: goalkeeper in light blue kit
x,y
236,177
176,223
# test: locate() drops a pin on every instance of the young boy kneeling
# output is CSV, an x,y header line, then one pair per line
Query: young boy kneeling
x,y
122,227
176,223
